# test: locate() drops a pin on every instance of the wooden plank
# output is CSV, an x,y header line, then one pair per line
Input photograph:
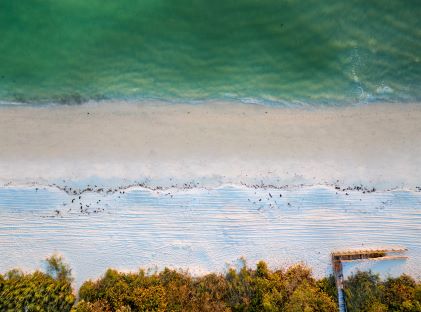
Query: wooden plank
x,y
353,252
378,259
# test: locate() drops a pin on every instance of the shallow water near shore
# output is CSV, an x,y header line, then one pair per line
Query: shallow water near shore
x,y
272,52
202,229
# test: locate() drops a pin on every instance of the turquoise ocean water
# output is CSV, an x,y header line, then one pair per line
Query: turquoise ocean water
x,y
266,51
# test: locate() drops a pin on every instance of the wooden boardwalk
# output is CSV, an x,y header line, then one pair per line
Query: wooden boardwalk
x,y
352,255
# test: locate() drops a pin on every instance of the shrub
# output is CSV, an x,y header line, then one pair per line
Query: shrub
x,y
310,298
247,289
362,291
366,292
38,291
242,289
328,286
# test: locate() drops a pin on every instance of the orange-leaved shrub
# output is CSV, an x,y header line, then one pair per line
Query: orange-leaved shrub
x,y
245,289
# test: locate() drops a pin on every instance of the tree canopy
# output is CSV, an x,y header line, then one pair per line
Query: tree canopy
x,y
365,291
239,289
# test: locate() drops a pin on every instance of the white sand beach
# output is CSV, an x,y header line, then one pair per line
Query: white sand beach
x,y
213,143
204,230
210,145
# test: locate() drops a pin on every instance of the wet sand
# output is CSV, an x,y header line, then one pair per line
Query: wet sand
x,y
212,144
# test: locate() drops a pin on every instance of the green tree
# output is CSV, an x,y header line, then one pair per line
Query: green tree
x,y
328,286
37,291
400,294
363,291
58,269
308,298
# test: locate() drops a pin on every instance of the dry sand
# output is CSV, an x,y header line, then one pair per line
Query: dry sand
x,y
212,143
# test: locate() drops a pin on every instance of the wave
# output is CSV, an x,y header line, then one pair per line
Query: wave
x,y
77,100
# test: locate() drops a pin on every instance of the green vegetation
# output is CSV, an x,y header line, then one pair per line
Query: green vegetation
x,y
247,289
243,289
38,291
365,291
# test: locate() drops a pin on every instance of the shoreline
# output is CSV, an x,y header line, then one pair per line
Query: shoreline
x,y
72,190
212,144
